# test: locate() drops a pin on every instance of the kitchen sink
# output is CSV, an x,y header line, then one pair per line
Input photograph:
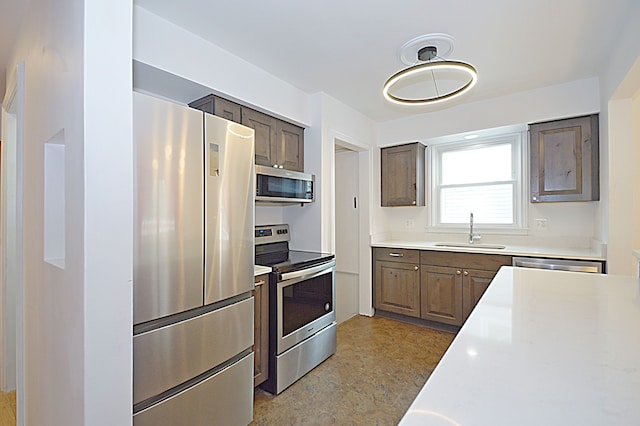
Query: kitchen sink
x,y
467,245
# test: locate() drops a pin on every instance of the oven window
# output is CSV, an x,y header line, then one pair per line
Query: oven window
x,y
305,302
274,186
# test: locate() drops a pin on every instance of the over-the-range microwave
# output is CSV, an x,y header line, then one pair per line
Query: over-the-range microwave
x,y
280,186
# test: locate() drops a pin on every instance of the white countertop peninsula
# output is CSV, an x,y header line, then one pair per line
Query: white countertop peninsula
x,y
541,348
510,250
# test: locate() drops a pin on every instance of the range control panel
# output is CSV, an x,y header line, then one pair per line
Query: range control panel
x,y
271,234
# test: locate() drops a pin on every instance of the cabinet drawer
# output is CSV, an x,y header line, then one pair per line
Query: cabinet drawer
x,y
483,262
225,398
165,357
397,255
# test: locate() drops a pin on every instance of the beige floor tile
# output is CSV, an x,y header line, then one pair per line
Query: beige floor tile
x,y
379,367
7,409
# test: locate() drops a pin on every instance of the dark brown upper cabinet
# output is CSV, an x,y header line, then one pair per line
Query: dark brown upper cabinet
x,y
278,143
565,162
402,175
220,107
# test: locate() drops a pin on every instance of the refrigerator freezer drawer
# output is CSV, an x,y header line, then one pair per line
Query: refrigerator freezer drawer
x,y
226,398
168,356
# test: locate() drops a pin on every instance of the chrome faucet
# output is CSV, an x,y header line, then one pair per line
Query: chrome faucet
x,y
472,236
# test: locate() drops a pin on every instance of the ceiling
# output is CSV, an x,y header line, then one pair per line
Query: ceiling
x,y
348,49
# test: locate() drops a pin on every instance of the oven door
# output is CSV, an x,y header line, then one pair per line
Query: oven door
x,y
305,304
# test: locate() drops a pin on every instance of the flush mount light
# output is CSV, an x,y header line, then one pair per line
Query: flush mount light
x,y
431,80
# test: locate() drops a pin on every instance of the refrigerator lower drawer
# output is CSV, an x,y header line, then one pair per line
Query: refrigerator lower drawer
x,y
168,356
226,398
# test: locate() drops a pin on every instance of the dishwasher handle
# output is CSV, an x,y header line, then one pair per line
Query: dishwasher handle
x,y
558,264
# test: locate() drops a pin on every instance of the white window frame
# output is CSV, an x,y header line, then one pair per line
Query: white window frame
x,y
518,141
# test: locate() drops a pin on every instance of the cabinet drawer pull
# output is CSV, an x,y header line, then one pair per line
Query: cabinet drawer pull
x,y
396,254
259,283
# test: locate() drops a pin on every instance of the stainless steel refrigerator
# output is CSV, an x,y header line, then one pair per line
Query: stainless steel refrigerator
x,y
193,267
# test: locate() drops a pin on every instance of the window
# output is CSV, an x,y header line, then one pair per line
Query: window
x,y
483,176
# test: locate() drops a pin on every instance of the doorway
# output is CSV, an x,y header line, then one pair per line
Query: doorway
x,y
11,300
346,232
9,255
351,228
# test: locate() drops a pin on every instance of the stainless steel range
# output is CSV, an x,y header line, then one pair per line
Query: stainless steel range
x,y
302,327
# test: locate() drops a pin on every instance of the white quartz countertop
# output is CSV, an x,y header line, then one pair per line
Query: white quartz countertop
x,y
541,348
510,250
259,270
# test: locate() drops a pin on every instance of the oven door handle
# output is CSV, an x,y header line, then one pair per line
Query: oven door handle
x,y
307,271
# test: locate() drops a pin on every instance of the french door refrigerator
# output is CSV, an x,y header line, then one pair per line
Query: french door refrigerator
x,y
193,266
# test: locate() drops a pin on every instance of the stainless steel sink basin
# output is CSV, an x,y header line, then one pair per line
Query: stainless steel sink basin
x,y
471,246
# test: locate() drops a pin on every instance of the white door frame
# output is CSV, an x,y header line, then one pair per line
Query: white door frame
x,y
14,104
365,305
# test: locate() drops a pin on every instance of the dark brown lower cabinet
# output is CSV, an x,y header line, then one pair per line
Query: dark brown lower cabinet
x,y
397,288
441,295
261,330
440,286
474,284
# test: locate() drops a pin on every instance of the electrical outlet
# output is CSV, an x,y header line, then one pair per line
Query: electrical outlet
x,y
409,224
541,224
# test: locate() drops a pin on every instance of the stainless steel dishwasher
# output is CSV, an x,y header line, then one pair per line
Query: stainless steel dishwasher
x,y
594,267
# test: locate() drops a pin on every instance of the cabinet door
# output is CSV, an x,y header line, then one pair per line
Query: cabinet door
x,y
218,106
206,104
565,160
474,284
227,109
265,135
261,330
397,288
402,175
441,294
290,146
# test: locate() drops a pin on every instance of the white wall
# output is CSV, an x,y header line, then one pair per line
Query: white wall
x,y
619,132
572,223
77,319
108,213
168,47
570,99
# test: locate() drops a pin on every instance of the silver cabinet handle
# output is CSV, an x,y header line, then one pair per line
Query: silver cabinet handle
x,y
259,283
466,273
458,272
396,254
415,268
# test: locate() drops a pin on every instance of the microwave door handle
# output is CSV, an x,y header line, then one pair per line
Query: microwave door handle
x,y
307,272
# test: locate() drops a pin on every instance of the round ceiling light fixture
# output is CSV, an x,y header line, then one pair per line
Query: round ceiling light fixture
x,y
432,79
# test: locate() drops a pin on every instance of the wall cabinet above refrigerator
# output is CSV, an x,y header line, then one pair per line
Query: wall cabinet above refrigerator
x,y
278,143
